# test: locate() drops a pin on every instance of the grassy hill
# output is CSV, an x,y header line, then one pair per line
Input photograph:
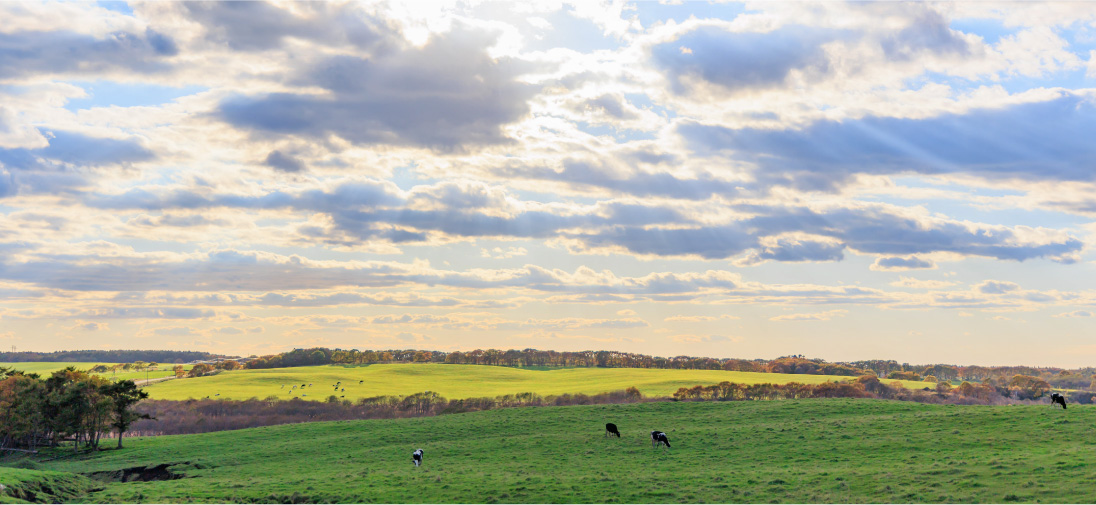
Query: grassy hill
x,y
456,381
37,486
795,451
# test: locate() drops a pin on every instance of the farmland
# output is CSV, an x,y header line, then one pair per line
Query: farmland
x,y
795,451
48,367
456,381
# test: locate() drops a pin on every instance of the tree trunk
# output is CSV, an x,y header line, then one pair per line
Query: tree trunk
x,y
120,439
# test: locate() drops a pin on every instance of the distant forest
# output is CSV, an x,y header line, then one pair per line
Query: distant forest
x,y
1057,377
120,356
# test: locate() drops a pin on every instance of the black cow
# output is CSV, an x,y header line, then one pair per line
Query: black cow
x,y
611,429
659,438
1059,399
416,457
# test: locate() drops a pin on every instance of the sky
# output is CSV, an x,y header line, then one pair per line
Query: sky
x,y
907,181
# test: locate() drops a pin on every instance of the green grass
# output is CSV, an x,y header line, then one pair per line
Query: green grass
x,y
37,486
457,381
795,451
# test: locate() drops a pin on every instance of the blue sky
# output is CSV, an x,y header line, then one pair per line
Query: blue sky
x,y
909,181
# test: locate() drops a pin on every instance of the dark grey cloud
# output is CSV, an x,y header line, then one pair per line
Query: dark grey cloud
x,y
900,263
928,33
32,53
259,26
283,162
1047,140
738,61
448,95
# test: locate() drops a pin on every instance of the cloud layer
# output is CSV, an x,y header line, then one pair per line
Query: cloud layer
x,y
780,178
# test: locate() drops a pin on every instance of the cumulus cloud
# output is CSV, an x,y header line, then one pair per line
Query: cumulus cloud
x,y
261,26
448,95
15,133
742,60
897,264
997,287
30,53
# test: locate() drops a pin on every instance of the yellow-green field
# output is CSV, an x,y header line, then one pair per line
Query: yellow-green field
x,y
47,367
457,381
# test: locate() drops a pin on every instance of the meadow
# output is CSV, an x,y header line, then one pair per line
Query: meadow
x,y
457,381
793,451
45,368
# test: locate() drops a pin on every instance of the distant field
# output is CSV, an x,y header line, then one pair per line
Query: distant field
x,y
793,451
456,381
46,368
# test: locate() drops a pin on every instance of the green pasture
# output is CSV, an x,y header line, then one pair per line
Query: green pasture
x,y
37,486
456,381
793,451
47,367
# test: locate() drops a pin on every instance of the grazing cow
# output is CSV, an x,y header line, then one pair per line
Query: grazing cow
x,y
659,438
1059,399
416,457
611,429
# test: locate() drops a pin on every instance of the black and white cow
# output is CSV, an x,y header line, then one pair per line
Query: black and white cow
x,y
416,457
659,438
1059,399
611,429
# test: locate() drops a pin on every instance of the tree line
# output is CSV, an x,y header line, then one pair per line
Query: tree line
x,y
68,405
1019,388
1081,378
107,356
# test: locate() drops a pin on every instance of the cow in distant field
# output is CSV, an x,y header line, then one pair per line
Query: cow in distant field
x,y
1059,399
416,457
659,438
611,429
